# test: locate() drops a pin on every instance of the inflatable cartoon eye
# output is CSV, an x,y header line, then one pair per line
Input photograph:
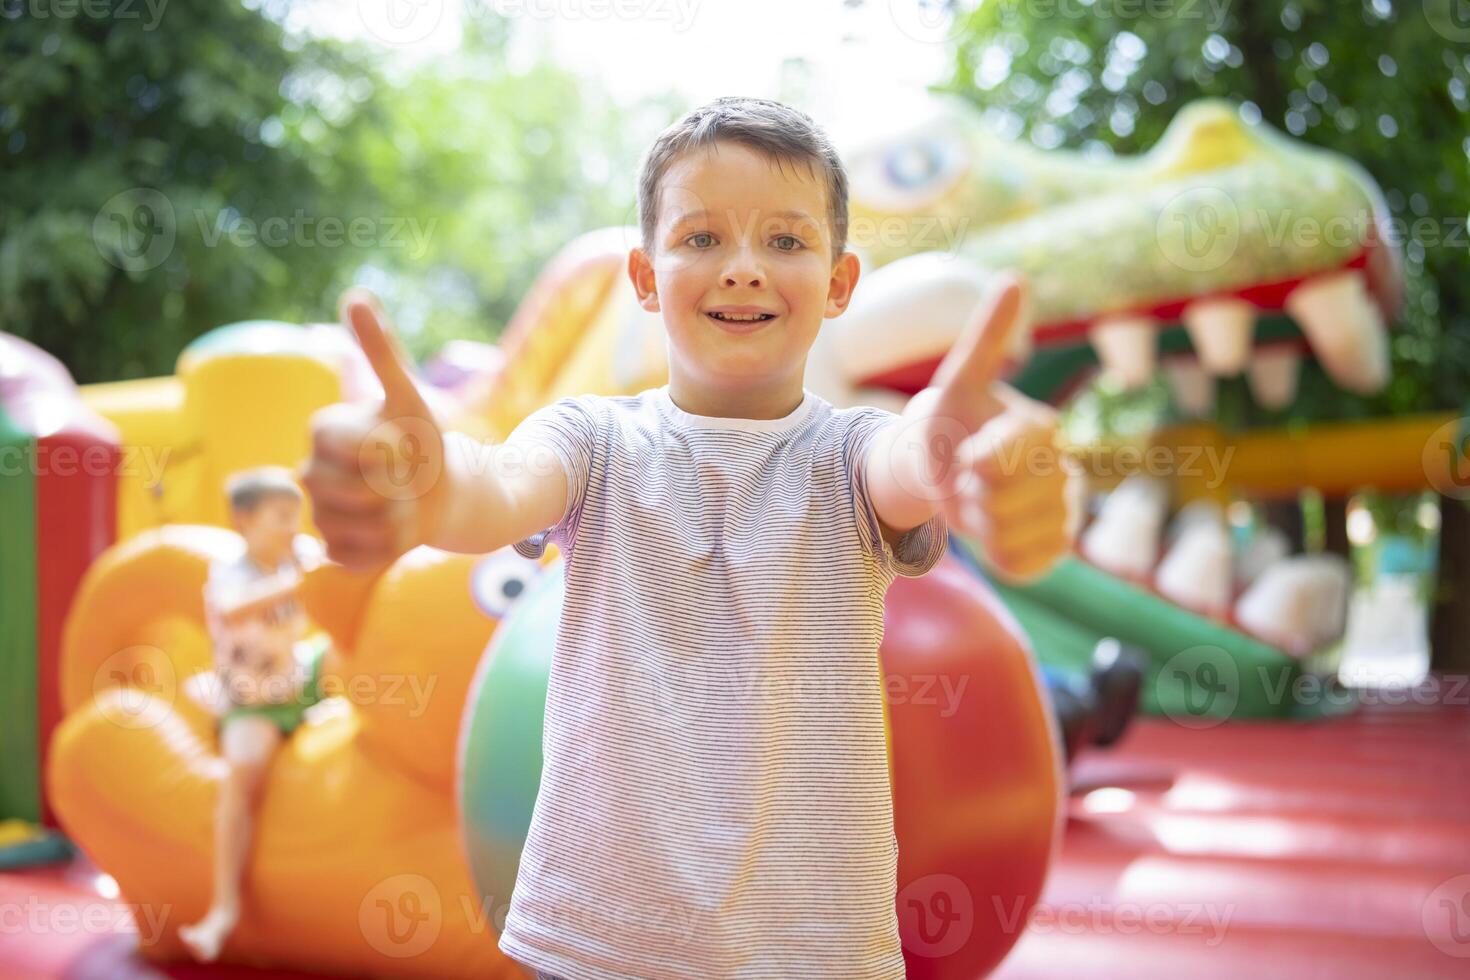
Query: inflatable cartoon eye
x,y
913,165
500,579
909,173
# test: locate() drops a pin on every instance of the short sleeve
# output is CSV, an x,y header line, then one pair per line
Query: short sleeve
x,y
918,549
223,584
213,589
227,578
568,429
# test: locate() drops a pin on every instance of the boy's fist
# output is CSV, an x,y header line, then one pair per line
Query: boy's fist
x,y
997,465
375,473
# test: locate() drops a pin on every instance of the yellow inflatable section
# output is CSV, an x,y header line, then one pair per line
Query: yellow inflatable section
x,y
243,394
356,865
1402,454
240,398
579,331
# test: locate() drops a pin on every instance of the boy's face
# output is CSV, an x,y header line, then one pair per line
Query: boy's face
x,y
269,528
736,229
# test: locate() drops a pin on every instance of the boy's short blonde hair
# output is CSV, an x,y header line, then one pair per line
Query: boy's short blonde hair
x,y
782,133
249,488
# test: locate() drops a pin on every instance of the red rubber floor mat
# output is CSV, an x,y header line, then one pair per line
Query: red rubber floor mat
x,y
1333,849
1337,849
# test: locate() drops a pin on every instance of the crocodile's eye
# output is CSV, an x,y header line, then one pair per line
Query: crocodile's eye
x,y
500,579
908,173
914,164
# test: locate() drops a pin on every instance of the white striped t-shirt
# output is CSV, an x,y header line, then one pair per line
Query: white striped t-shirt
x,y
715,799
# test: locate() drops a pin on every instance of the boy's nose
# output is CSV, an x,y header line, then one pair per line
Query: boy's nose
x,y
742,269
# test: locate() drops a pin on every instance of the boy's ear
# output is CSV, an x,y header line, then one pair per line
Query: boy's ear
x,y
640,272
845,275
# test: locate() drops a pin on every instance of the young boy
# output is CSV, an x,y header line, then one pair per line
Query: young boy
x,y
266,674
715,799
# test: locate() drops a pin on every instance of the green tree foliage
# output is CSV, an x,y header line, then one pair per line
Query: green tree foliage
x,y
125,148
1382,81
502,166
162,175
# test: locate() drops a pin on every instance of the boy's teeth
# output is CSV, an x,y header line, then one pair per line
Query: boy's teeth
x,y
741,316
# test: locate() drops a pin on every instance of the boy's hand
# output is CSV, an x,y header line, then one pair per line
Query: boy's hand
x,y
991,456
374,474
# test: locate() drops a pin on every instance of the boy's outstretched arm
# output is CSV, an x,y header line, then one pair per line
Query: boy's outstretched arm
x,y
980,451
385,479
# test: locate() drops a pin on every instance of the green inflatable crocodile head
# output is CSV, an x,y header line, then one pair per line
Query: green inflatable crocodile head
x,y
1228,245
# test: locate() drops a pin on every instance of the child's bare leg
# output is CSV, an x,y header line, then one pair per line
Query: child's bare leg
x,y
248,745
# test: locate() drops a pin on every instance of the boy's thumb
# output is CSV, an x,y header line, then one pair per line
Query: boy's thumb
x,y
979,352
362,315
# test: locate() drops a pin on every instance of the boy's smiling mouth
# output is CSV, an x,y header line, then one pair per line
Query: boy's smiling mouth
x,y
740,319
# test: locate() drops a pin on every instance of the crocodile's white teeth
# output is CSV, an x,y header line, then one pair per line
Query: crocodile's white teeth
x,y
1192,387
1273,377
1127,347
1298,603
1198,572
1111,546
1125,537
1221,331
1344,327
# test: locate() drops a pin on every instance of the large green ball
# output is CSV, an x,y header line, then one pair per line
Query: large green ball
x,y
500,741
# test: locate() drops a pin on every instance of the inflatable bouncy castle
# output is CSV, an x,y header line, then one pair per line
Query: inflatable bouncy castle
x,y
58,466
392,821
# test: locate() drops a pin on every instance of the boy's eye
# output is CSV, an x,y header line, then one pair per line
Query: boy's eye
x,y
795,243
693,239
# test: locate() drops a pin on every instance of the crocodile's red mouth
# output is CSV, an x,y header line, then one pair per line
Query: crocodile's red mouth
x,y
1223,338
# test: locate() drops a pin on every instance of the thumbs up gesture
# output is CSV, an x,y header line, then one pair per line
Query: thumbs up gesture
x,y
986,455
375,473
